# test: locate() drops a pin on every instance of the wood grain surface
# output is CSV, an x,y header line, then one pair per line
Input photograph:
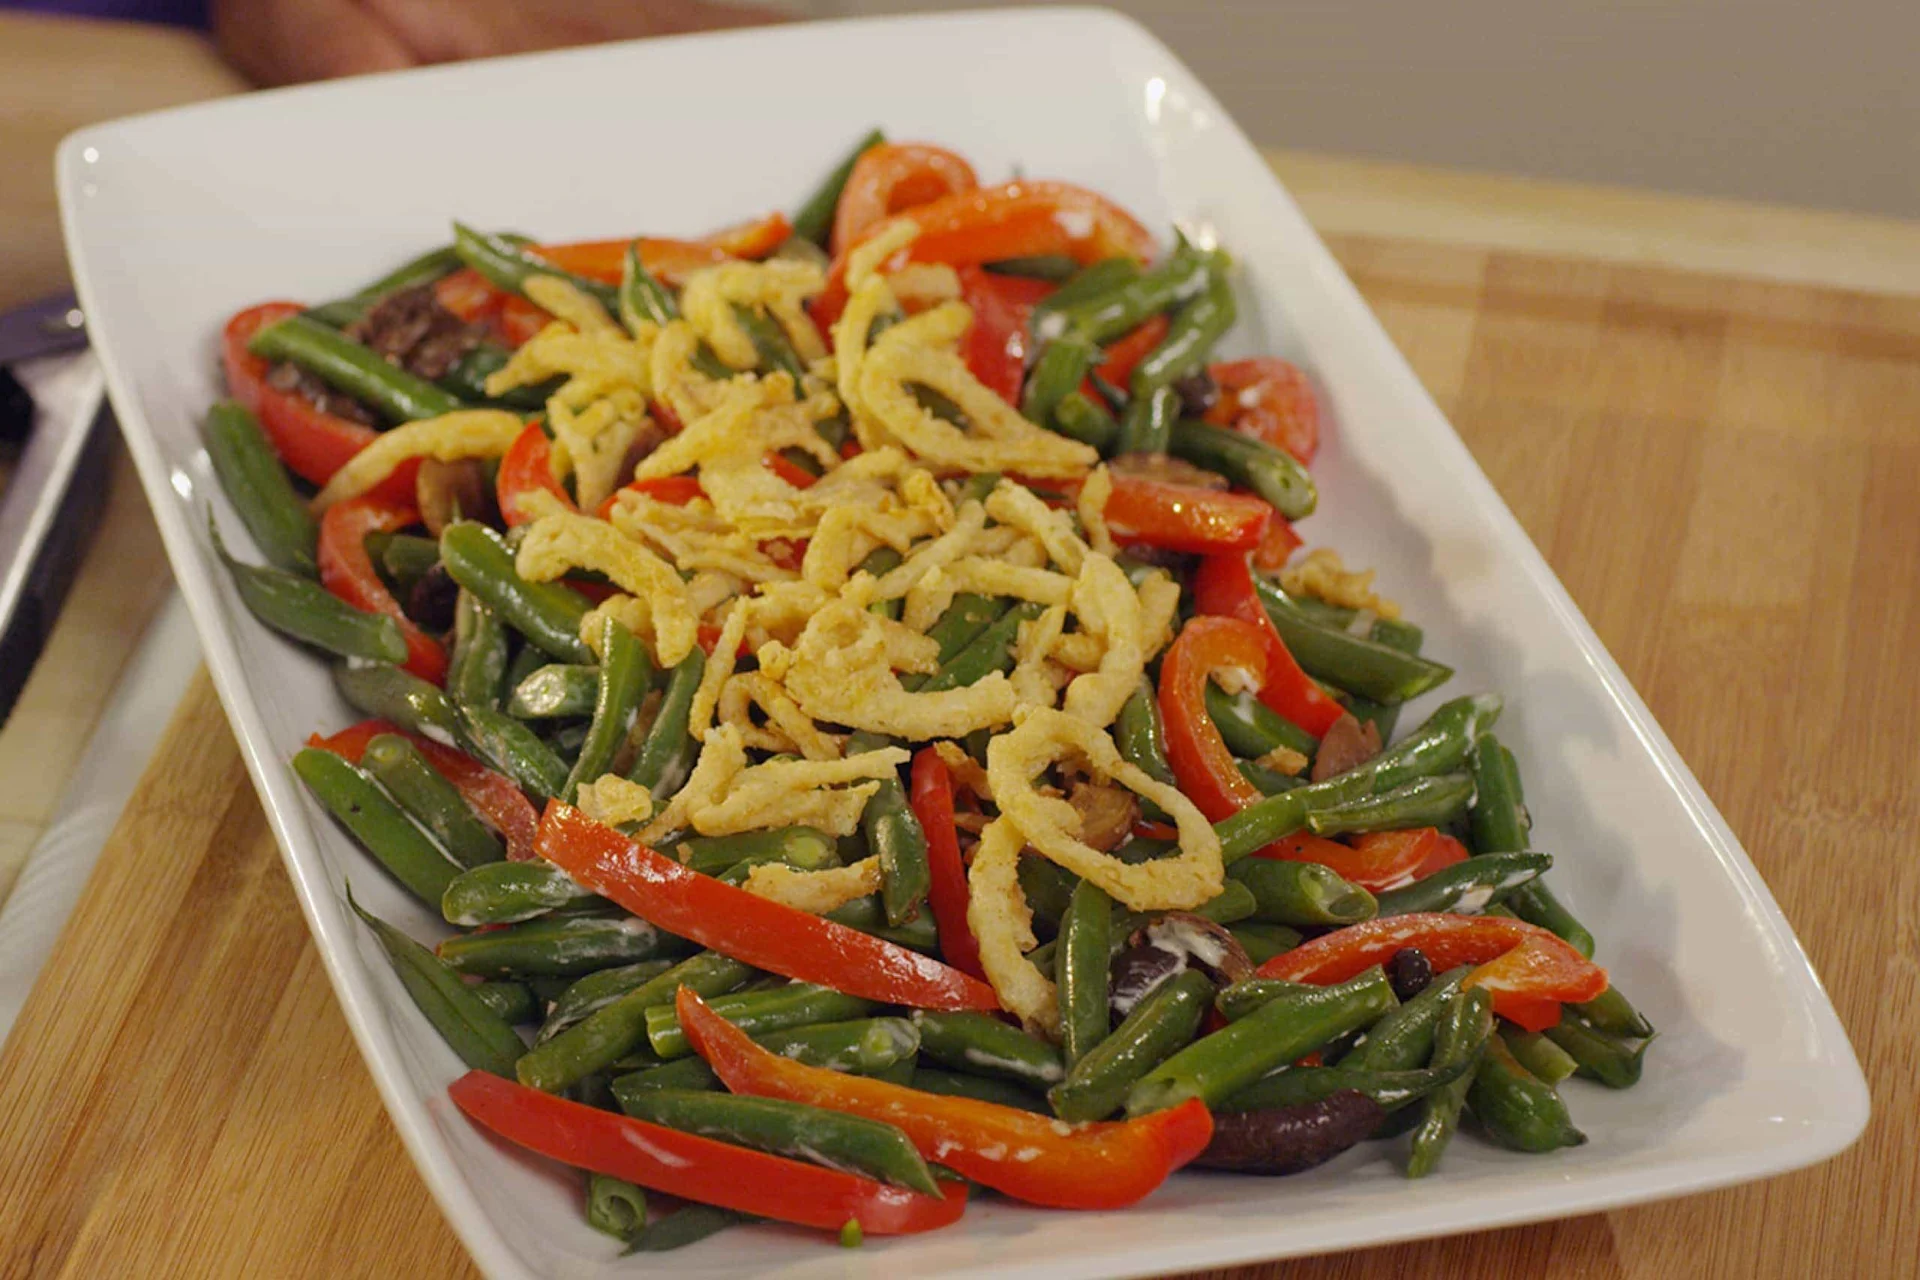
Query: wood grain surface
x,y
1726,475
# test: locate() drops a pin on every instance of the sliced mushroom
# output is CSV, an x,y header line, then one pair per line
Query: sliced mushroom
x,y
1166,945
1107,813
1348,744
449,491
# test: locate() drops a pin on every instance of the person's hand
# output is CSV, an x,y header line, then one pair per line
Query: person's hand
x,y
287,41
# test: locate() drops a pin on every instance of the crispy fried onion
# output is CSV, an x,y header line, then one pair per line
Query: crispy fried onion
x,y
557,543
1002,922
815,892
842,671
724,796
694,537
565,300
777,289
1044,737
1107,607
614,800
787,727
466,433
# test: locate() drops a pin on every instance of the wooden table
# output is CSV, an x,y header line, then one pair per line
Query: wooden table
x,y
182,1097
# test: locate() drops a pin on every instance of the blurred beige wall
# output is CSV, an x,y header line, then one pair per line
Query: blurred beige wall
x,y
1798,103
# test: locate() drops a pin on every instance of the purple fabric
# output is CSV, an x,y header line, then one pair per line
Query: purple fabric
x,y
173,13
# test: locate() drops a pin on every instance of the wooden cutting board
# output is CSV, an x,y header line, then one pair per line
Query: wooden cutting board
x,y
1725,474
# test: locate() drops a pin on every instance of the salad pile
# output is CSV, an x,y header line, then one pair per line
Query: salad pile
x,y
853,687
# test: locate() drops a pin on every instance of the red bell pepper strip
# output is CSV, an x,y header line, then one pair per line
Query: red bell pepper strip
x,y
895,176
1278,545
1224,586
526,467
996,345
675,491
1270,399
1012,220
1529,971
670,261
492,795
520,320
752,239
471,296
1377,860
696,1168
1030,1157
931,796
347,570
1200,759
1179,517
757,931
313,444
1130,349
789,470
1446,852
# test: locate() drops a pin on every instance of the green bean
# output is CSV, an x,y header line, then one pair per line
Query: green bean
x,y
615,1030
595,991
515,750
990,651
689,1224
868,915
1092,281
1252,729
1403,636
306,611
509,892
681,1073
1438,745
385,692
1176,278
1262,942
346,365
467,380
403,558
1516,1109
1159,1026
1142,740
667,752
985,1046
1048,888
380,825
1460,1038
1272,473
1081,959
1302,893
479,660
425,269
626,672
803,847
1403,1039
796,1004
1078,418
513,1001
1611,1012
433,802
1539,1055
773,350
959,1084
643,299
792,1129
556,691
963,622
615,1207
1296,1086
813,220
1217,1066
1424,802
1599,1055
1245,996
255,482
862,1046
546,613
1147,424
509,266
1268,782
1057,267
564,740
1059,370
1501,824
893,834
482,1038
1199,323
559,946
1367,667
879,562
1466,888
